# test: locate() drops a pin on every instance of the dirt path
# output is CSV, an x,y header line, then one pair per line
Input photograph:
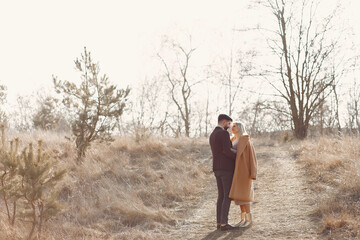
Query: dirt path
x,y
282,207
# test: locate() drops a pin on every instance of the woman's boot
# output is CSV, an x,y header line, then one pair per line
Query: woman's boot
x,y
242,221
248,220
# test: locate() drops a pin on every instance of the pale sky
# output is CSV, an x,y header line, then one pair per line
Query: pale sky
x,y
42,38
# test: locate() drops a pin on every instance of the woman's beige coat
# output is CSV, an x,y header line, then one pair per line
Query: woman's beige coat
x,y
245,171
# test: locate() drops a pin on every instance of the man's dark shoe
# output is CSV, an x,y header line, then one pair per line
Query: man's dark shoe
x,y
228,227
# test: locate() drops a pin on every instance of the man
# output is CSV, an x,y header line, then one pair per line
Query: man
x,y
223,167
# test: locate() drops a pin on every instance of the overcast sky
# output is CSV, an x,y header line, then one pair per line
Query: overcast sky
x,y
42,38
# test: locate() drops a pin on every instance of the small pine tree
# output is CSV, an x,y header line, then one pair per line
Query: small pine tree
x,y
46,117
10,181
96,103
28,182
39,178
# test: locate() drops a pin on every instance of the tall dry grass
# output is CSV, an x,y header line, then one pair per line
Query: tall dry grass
x,y
333,169
122,190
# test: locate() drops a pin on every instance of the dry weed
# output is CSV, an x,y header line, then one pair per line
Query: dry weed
x,y
123,190
333,167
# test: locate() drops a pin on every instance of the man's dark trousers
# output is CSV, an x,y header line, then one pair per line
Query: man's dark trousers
x,y
223,180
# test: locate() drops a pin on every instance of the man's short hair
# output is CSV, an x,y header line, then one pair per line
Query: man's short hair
x,y
224,117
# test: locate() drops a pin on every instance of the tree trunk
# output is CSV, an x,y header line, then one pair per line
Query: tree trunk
x,y
301,129
207,115
337,109
187,128
33,223
14,213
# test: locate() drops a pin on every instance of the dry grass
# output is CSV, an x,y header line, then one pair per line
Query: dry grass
x,y
122,190
333,169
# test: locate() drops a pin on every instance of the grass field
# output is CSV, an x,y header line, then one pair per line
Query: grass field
x,y
122,190
333,171
147,189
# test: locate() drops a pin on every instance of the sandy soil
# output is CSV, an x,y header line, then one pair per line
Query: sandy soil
x,y
282,207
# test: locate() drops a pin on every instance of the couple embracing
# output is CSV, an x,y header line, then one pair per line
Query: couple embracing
x,y
235,168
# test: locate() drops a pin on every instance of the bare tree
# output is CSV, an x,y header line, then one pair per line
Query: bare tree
x,y
231,70
250,115
174,124
263,116
340,66
207,116
337,118
149,100
180,86
353,108
303,47
23,113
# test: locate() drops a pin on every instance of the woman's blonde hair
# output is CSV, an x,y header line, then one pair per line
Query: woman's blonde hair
x,y
241,128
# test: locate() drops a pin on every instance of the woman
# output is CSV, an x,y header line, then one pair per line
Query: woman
x,y
242,189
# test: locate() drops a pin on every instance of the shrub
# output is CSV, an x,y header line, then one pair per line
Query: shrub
x,y
46,117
